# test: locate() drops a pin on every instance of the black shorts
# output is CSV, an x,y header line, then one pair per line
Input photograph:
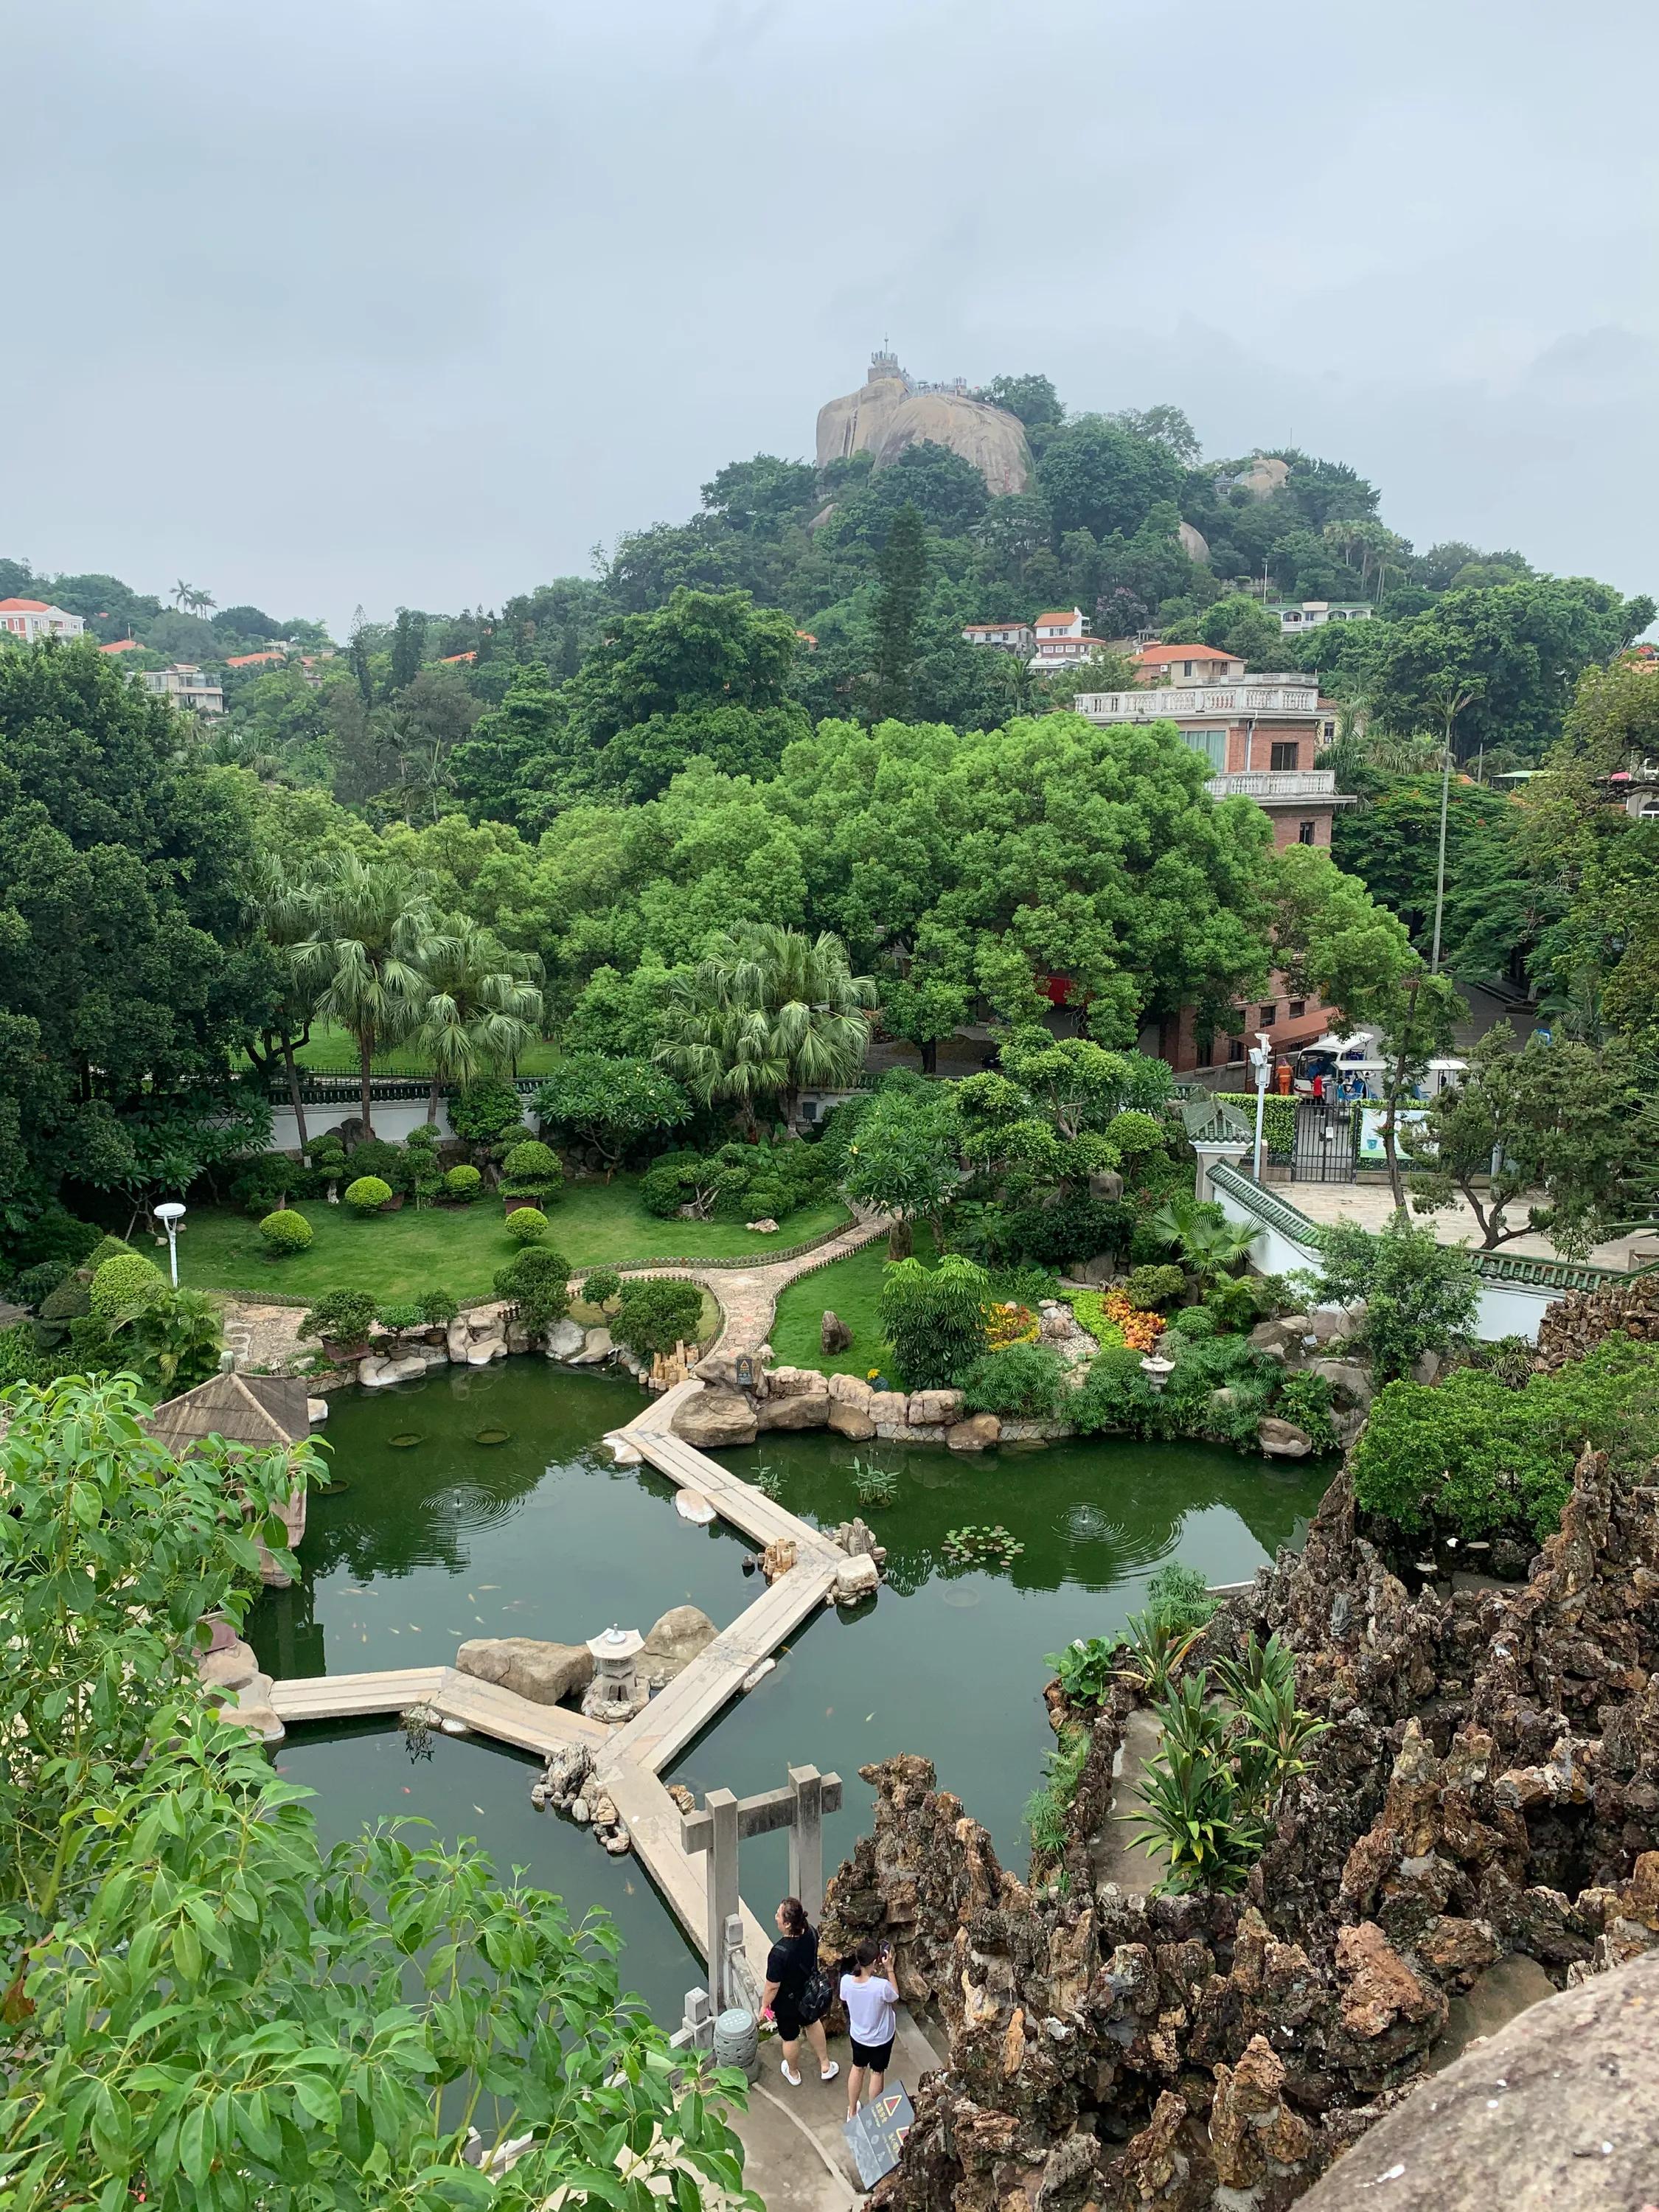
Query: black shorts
x,y
875,2055
785,2017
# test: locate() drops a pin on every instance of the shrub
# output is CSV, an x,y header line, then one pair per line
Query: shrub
x,y
664,1188
327,1157
426,1176
367,1195
38,1283
539,1279
106,1248
54,1234
1115,1395
377,1156
656,1313
341,1317
526,1224
285,1232
268,1180
484,1111
1220,1387
439,1308
70,1298
1025,1382
1193,1322
1151,1287
21,1357
463,1183
126,1284
1420,1295
1133,1131
1478,1456
1306,1399
935,1319
1085,1668
532,1170
402,1313
602,1284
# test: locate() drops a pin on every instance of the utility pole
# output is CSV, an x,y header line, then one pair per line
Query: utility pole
x,y
1449,698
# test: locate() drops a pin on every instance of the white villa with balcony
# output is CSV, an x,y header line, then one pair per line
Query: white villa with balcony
x,y
1296,617
32,619
1259,735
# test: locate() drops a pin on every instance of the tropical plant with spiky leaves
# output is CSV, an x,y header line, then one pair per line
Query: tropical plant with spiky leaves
x,y
483,1008
374,937
766,1013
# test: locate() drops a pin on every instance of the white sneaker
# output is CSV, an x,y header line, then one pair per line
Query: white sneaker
x,y
828,2073
790,2075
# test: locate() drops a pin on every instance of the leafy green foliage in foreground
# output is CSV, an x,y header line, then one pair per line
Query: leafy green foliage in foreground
x,y
1420,1295
1476,1456
208,2012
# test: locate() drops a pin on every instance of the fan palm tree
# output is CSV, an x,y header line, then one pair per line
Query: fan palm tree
x,y
766,1013
373,936
285,905
483,1006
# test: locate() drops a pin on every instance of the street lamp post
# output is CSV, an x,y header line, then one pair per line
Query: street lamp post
x,y
170,1214
1260,1060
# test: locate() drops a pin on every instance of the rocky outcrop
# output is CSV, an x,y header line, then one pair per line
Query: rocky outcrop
x,y
1575,1325
888,413
833,1334
1485,1795
546,1673
796,1398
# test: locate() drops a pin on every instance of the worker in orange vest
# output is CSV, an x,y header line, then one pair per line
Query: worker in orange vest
x,y
1282,1078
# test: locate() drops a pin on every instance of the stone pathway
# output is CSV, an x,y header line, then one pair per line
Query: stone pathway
x,y
748,1296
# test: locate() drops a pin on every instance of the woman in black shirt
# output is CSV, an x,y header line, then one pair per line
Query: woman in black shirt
x,y
790,1966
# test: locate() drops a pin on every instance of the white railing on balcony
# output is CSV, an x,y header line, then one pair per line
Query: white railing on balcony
x,y
1263,783
1165,706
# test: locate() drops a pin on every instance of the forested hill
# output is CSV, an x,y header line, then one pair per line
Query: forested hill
x,y
613,705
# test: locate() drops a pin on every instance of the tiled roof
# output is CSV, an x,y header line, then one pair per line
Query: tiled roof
x,y
1153,656
24,607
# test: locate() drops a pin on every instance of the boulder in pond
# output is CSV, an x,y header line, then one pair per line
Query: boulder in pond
x,y
674,1641
597,1346
802,1403
714,1418
565,1339
542,1672
976,1434
1283,1439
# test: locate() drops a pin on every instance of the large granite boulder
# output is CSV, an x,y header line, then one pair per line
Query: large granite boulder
x,y
850,1407
833,1334
545,1674
565,1339
797,1398
976,1433
1283,1439
714,1418
674,1641
932,1409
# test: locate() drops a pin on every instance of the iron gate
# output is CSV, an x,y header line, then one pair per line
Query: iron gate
x,y
1327,1141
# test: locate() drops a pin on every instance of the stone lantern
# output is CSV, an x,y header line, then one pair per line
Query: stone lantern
x,y
615,1693
1157,1369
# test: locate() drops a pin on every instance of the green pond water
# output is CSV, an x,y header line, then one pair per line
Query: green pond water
x,y
426,1543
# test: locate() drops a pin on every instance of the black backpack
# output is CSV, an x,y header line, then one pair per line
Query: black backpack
x,y
815,1996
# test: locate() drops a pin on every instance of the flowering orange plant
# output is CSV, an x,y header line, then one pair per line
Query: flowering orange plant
x,y
1141,1330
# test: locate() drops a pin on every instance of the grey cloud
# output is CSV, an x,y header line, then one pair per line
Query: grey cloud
x,y
347,301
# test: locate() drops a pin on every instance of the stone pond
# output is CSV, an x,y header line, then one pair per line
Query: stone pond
x,y
482,1502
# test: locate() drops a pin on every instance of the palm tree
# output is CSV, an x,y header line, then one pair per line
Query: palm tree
x,y
374,936
483,1006
202,603
286,907
766,1013
182,593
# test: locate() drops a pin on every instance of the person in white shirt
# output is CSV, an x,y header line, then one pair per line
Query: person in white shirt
x,y
870,1996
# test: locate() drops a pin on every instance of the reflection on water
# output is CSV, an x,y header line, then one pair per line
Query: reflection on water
x,y
540,1535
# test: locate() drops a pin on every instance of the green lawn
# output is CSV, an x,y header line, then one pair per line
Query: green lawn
x,y
334,1052
458,1249
851,1287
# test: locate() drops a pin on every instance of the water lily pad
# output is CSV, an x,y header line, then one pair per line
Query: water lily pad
x,y
492,1435
404,1439
332,1488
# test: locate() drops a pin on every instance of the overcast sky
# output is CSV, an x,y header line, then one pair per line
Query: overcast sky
x,y
382,301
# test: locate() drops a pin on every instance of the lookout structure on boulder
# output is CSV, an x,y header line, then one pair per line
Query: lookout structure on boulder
x,y
892,410
267,1411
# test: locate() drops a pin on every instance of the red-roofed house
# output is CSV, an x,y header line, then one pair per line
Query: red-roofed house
x,y
30,619
1012,637
450,658
1062,640
252,660
1187,664
123,645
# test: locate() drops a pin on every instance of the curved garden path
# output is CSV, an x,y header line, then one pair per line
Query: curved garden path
x,y
748,1296
265,1338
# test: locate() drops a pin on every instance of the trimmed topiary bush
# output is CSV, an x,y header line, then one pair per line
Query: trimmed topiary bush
x,y
124,1285
378,1156
439,1308
38,1283
343,1318
526,1224
1149,1288
21,1358
484,1111
1194,1321
402,1313
463,1184
285,1232
601,1285
656,1312
538,1277
532,1170
367,1195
